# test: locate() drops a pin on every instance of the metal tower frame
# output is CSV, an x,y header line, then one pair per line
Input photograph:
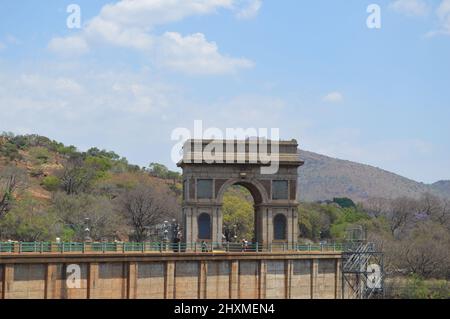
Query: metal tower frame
x,y
356,258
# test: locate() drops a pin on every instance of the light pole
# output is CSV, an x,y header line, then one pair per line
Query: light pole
x,y
87,230
166,231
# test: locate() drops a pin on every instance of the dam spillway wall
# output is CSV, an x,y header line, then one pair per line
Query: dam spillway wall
x,y
286,275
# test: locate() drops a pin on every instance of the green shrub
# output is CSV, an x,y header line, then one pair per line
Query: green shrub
x,y
51,183
40,154
10,151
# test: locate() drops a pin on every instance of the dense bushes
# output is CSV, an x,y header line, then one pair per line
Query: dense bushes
x,y
87,188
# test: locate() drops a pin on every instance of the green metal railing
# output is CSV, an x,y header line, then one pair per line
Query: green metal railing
x,y
147,247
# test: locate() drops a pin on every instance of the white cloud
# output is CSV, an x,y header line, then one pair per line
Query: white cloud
x,y
69,46
410,7
443,13
145,14
12,39
193,54
130,24
2,46
333,97
251,10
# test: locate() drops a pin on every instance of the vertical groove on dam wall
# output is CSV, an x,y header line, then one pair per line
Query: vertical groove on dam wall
x,y
252,276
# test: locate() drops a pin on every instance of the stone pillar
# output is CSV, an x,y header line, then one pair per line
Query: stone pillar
x,y
187,227
132,280
203,273
260,223
53,282
262,279
234,280
294,225
338,280
288,215
169,280
213,225
92,280
194,224
289,266
314,274
269,230
219,224
8,279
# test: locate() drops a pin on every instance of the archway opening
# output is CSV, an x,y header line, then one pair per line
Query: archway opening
x,y
238,214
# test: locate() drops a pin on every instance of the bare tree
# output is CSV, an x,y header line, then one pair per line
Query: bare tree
x,y
147,205
401,212
425,251
430,204
77,212
12,179
377,206
443,216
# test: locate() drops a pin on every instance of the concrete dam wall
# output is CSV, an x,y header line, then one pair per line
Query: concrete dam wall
x,y
171,275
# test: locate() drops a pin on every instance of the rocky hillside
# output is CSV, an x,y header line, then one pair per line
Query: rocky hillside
x,y
323,178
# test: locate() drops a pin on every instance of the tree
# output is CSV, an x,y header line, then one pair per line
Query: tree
x,y
146,205
9,150
158,170
77,177
30,221
377,206
12,179
429,204
238,213
76,212
400,214
425,251
344,202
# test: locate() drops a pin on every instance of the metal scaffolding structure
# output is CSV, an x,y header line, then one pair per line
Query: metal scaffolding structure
x,y
362,271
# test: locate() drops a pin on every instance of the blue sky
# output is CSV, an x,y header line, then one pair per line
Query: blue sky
x,y
136,70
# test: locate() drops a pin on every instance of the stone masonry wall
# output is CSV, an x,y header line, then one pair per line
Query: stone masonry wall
x,y
249,276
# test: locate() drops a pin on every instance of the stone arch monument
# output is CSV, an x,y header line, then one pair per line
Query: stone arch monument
x,y
211,166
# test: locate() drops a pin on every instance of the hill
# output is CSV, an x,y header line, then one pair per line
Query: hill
x,y
323,177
